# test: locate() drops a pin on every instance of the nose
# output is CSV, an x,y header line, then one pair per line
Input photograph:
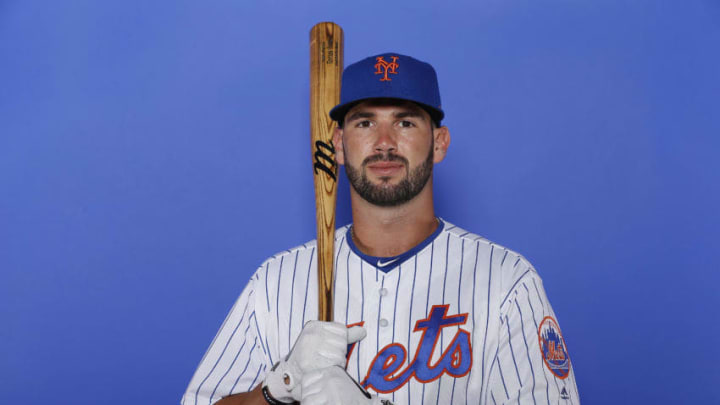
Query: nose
x,y
385,141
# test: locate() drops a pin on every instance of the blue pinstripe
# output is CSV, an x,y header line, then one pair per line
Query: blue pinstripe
x,y
487,311
347,278
292,293
397,288
252,384
527,351
277,300
447,255
231,364
502,377
307,284
452,393
337,258
362,291
477,253
427,301
362,312
512,352
257,329
267,293
412,295
269,352
377,337
462,260
243,372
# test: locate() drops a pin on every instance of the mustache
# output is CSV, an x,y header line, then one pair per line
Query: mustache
x,y
384,157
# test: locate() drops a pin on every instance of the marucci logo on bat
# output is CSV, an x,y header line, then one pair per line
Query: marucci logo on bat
x,y
383,67
325,159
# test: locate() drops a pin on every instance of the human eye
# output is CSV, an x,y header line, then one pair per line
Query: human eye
x,y
363,124
406,124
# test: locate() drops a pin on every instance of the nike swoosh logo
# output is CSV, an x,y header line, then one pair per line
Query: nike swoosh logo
x,y
380,263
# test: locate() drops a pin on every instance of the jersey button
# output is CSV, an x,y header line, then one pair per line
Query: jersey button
x,y
384,322
383,292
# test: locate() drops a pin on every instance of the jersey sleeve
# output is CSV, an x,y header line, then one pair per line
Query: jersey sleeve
x,y
235,362
531,363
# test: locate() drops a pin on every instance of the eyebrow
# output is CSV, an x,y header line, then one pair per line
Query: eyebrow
x,y
359,114
402,114
410,114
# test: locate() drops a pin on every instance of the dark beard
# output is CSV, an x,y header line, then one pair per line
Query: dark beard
x,y
385,195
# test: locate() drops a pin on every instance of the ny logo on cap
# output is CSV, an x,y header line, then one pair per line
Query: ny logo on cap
x,y
383,68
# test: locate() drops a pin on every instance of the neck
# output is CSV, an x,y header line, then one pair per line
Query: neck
x,y
390,231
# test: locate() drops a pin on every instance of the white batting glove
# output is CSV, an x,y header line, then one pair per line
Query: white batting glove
x,y
333,385
320,345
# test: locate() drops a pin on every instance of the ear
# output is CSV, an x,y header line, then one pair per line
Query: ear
x,y
338,145
442,142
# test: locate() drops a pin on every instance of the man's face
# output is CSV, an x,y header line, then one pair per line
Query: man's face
x,y
388,150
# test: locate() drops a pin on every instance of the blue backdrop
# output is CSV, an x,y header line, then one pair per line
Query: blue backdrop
x,y
152,154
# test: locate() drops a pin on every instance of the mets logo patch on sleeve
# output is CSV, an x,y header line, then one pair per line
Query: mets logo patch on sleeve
x,y
552,346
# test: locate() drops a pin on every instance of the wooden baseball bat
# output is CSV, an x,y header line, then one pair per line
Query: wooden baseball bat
x,y
326,65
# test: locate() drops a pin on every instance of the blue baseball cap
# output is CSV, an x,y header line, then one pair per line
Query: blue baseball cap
x,y
390,75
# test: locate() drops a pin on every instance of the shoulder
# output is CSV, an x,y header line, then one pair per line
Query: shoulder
x,y
289,258
509,265
460,234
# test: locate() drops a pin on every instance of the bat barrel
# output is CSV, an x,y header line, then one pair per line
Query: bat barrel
x,y
326,64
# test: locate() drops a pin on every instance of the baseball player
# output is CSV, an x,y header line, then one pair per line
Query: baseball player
x,y
426,312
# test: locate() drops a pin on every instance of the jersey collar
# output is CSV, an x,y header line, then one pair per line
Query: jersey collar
x,y
385,264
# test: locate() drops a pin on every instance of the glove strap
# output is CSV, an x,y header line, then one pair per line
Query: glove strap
x,y
269,398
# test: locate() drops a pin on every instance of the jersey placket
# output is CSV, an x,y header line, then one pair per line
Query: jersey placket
x,y
383,316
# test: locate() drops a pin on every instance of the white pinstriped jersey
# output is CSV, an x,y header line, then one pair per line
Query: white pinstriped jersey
x,y
458,320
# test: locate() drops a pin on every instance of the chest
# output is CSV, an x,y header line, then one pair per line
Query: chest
x,y
421,320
